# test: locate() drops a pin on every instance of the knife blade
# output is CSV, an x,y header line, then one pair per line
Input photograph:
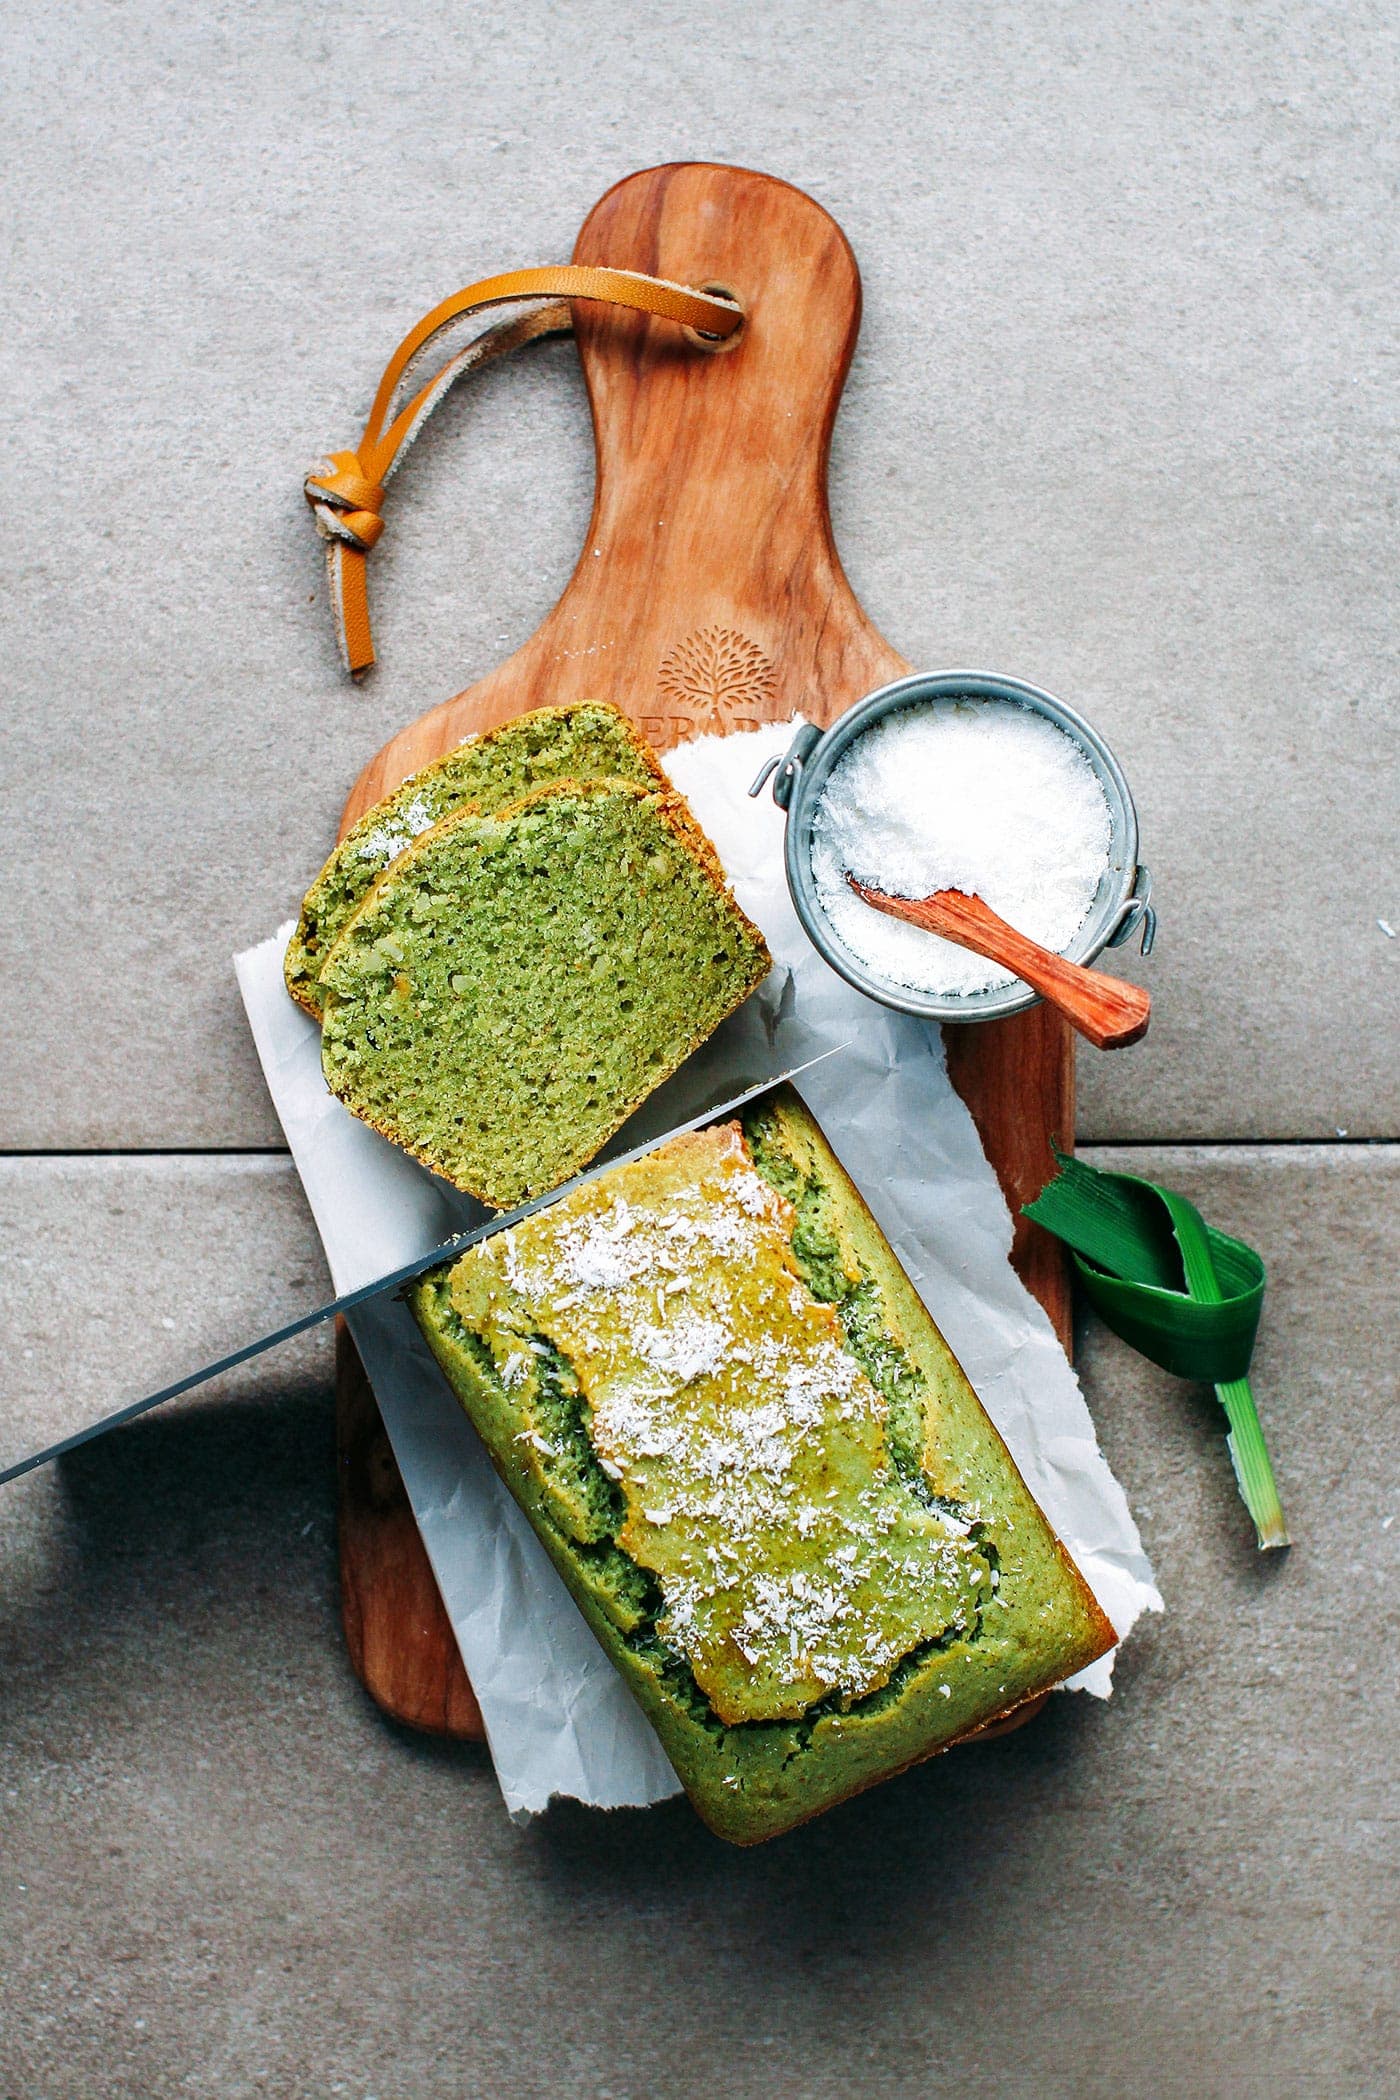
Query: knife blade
x,y
394,1279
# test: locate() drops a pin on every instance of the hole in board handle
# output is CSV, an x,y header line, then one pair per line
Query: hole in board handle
x,y
715,344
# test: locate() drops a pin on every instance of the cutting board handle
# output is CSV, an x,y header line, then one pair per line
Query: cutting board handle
x,y
708,594
346,489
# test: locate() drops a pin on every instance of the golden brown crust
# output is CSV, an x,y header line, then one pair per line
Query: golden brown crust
x,y
645,751
673,810
678,814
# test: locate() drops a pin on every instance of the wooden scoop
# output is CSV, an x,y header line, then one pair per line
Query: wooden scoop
x,y
1109,1011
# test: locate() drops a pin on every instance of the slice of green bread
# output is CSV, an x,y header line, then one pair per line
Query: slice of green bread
x,y
585,742
759,1469
513,986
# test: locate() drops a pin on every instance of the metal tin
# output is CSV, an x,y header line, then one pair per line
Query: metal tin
x,y
1120,908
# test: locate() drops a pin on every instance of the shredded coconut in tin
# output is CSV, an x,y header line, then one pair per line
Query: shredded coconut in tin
x,y
983,796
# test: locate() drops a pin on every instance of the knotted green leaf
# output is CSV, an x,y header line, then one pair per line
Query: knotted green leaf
x,y
1177,1291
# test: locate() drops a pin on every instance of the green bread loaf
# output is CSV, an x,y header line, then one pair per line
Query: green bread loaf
x,y
584,742
513,986
759,1469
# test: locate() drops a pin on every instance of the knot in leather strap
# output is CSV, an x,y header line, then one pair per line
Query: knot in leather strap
x,y
344,501
346,490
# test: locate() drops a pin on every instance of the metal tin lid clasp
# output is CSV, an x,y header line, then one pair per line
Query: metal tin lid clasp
x,y
788,768
1136,913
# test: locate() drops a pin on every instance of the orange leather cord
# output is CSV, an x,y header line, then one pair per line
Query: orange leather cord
x,y
346,490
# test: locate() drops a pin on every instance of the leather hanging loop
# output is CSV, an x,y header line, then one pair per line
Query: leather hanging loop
x,y
346,490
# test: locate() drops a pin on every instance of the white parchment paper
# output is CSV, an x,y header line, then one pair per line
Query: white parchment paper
x,y
557,1716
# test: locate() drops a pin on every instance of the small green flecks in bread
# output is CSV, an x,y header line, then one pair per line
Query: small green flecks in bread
x,y
585,742
515,985
599,1348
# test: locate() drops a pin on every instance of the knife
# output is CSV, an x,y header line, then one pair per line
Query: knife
x,y
393,1279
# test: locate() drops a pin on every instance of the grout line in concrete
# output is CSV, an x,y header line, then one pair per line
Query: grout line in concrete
x,y
145,1152
1219,1144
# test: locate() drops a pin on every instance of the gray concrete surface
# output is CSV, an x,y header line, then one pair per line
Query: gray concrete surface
x,y
1121,421
221,1873
121,1275
1118,423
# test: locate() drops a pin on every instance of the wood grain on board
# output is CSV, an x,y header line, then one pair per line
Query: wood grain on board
x,y
708,597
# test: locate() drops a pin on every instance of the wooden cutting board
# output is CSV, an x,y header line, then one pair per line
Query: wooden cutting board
x,y
708,597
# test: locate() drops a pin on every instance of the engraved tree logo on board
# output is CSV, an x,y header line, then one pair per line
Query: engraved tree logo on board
x,y
715,681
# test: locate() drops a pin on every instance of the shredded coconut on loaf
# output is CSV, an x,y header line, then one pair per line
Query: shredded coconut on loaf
x,y
725,1403
759,1469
